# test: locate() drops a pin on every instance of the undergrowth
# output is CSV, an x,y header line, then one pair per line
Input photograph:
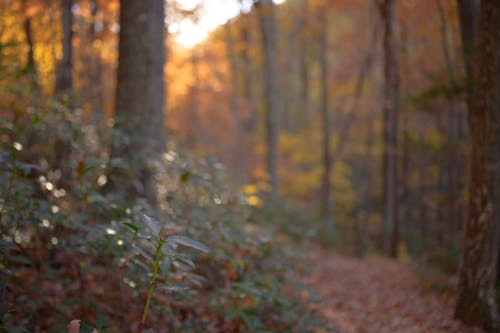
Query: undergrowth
x,y
72,247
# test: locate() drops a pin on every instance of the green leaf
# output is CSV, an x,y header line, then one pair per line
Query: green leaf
x,y
188,242
143,253
145,235
184,259
132,226
153,224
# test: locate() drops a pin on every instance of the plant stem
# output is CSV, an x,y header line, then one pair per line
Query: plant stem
x,y
153,279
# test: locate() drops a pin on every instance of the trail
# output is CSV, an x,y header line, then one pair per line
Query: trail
x,y
377,295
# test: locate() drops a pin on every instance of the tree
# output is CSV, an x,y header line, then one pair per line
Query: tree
x,y
30,67
326,191
64,84
64,80
390,114
476,301
303,63
452,173
92,65
234,69
265,9
140,88
467,10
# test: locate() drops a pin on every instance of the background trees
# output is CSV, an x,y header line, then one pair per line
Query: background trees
x,y
359,113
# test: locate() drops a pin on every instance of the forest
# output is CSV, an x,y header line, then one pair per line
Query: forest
x,y
250,166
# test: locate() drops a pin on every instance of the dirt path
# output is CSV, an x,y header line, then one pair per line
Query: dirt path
x,y
377,295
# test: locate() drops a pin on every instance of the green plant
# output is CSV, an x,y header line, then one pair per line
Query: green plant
x,y
164,246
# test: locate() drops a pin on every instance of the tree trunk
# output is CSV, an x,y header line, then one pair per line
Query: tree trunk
x,y
64,79
390,110
64,84
239,144
326,190
248,76
94,69
467,10
452,137
304,66
30,58
476,302
266,15
140,89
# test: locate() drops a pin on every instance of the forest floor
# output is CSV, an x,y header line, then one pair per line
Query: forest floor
x,y
376,295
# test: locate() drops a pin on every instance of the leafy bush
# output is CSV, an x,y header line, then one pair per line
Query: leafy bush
x,y
73,247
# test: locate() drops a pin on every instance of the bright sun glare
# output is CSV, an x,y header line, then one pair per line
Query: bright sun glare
x,y
216,12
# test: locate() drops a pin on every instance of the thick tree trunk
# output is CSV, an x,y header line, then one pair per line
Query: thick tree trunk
x,y
390,110
64,78
267,19
476,302
140,88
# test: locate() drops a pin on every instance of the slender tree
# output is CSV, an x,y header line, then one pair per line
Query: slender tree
x,y
326,190
140,89
64,84
467,10
64,77
452,124
304,64
265,9
390,116
248,68
476,301
30,67
239,148
94,66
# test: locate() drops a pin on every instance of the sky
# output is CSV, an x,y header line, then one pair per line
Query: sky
x,y
213,14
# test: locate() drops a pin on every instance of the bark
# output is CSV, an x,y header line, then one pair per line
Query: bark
x,y
476,301
95,68
64,85
286,81
304,68
390,114
405,188
467,10
266,13
91,88
30,55
239,144
326,190
140,89
64,79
